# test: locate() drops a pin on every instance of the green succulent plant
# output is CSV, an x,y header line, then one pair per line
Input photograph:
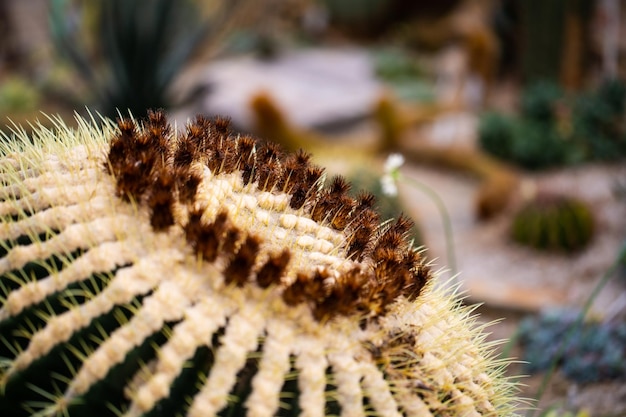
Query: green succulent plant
x,y
539,146
527,143
555,130
17,94
600,122
593,353
495,134
553,222
403,74
146,271
129,52
539,100
558,413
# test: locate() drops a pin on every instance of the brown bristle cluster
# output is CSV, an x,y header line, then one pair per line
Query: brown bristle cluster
x,y
156,168
396,269
393,257
206,239
273,268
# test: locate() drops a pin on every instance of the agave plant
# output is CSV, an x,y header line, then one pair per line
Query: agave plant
x,y
146,271
137,47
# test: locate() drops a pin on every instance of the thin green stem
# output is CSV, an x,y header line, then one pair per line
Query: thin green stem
x,y
570,333
445,218
510,344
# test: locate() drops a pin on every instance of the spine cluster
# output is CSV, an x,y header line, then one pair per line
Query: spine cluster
x,y
157,169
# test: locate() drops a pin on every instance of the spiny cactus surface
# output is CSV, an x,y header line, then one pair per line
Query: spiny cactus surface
x,y
554,223
146,271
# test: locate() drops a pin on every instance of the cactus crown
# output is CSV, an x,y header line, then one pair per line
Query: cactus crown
x,y
150,272
366,267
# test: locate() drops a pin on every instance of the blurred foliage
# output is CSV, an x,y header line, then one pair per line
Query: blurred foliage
x,y
394,65
527,143
596,351
128,52
495,133
531,140
621,257
373,18
17,94
404,74
537,145
554,129
553,412
360,16
538,103
620,193
548,33
556,223
600,122
542,40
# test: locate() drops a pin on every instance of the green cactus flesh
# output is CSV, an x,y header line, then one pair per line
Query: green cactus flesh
x,y
554,223
147,271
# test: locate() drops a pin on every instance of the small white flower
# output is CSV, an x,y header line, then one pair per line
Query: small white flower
x,y
392,173
393,163
388,185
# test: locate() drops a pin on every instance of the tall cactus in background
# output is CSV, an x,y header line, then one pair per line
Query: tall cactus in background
x,y
542,38
146,271
554,39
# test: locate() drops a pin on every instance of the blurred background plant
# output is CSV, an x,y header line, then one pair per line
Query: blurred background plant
x,y
17,94
599,121
619,190
556,412
403,72
553,222
129,52
556,57
556,129
371,18
594,352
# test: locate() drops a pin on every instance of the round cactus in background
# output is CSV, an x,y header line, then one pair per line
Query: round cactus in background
x,y
553,222
146,271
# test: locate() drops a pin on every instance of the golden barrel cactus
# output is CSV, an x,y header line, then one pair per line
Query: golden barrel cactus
x,y
147,271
